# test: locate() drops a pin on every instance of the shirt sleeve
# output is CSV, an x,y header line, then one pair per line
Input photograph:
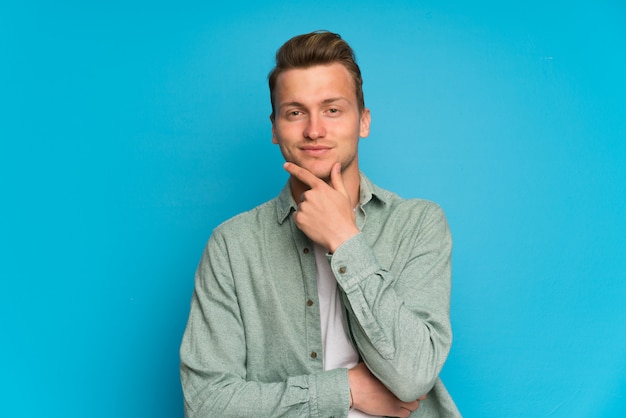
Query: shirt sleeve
x,y
213,359
400,321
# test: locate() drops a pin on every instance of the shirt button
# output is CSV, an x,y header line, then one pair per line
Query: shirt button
x,y
313,354
309,302
306,251
342,270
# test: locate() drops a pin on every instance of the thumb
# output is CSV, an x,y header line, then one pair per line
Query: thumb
x,y
336,179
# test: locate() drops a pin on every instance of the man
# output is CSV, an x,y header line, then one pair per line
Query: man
x,y
332,299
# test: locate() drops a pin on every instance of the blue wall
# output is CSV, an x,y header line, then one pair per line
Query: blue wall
x,y
130,129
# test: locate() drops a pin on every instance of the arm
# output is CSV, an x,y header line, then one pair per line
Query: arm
x,y
213,359
401,323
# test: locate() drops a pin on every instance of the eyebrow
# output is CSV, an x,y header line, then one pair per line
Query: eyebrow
x,y
324,102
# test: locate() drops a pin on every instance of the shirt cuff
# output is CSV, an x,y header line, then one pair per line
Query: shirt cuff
x,y
353,261
331,393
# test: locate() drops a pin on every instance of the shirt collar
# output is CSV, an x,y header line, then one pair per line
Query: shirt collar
x,y
368,190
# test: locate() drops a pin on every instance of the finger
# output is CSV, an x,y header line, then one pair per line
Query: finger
x,y
421,398
412,406
336,179
302,174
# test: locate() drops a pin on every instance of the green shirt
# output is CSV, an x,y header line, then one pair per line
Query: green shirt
x,y
253,347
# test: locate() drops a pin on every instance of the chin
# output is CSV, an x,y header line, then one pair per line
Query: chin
x,y
321,173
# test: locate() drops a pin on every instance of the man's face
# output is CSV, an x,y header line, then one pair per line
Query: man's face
x,y
317,120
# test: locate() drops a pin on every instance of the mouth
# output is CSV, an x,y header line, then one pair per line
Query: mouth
x,y
315,150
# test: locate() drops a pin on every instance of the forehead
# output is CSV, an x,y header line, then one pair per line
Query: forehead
x,y
318,82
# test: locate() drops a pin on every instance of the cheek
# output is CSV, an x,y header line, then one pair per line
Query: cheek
x,y
285,150
287,133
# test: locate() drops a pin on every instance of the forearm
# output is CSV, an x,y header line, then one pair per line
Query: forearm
x,y
315,395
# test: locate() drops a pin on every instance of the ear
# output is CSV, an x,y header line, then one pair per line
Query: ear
x,y
364,123
274,140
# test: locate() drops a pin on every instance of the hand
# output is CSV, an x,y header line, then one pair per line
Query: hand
x,y
372,397
325,213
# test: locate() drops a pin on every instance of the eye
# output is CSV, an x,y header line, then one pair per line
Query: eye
x,y
333,111
291,114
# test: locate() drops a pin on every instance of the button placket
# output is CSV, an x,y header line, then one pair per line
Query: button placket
x,y
312,320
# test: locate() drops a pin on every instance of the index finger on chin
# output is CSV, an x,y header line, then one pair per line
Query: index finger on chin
x,y
302,174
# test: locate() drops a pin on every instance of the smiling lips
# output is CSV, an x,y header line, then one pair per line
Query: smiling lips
x,y
315,150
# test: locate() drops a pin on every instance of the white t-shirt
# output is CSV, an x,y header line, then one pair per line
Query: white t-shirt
x,y
338,349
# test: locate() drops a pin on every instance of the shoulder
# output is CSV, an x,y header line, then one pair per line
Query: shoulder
x,y
416,217
249,221
413,206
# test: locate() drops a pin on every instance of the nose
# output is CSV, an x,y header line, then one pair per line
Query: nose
x,y
315,128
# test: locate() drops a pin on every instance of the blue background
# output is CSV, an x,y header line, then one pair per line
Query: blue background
x,y
129,130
